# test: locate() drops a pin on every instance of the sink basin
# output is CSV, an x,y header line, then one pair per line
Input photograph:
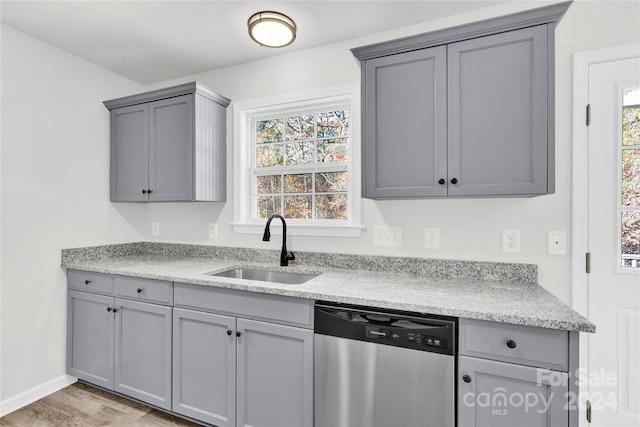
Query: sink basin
x,y
286,277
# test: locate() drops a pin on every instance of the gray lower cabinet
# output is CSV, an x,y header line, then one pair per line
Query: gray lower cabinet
x,y
143,352
462,112
204,366
496,394
512,375
275,375
169,145
90,338
117,343
236,371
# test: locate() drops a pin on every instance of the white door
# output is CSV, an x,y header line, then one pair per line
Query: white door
x,y
614,242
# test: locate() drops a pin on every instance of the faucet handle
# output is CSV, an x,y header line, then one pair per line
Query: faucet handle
x,y
291,256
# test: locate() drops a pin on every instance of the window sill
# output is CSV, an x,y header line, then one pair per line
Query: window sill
x,y
301,229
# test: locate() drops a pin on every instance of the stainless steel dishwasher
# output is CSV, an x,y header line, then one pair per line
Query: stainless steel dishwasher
x,y
383,368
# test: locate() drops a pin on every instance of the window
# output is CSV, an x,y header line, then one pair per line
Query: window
x,y
297,156
629,179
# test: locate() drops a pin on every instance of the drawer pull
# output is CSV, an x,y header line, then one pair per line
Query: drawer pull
x,y
466,378
86,282
511,344
139,290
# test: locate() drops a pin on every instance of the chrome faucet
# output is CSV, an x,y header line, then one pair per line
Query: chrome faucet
x,y
285,256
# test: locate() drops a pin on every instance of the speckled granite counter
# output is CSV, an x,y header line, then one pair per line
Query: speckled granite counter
x,y
500,292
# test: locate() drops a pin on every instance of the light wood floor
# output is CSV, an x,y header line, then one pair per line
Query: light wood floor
x,y
82,405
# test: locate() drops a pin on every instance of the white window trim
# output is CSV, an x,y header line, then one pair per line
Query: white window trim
x,y
245,112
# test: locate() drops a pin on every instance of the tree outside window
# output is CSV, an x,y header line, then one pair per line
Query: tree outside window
x,y
301,166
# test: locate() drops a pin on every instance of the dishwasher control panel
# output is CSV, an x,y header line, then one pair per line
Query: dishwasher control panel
x,y
408,330
424,338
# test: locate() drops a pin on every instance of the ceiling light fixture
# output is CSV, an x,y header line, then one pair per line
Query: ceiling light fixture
x,y
272,29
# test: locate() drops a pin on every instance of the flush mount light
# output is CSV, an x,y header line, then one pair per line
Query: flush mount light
x,y
272,29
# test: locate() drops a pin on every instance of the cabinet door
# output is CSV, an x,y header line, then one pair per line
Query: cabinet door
x,y
143,352
404,128
204,367
275,375
498,114
171,149
90,343
498,394
129,153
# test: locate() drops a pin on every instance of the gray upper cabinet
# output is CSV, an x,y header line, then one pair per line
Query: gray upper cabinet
x,y
401,139
497,118
169,145
130,153
462,112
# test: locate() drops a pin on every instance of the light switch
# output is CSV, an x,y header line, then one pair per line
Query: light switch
x,y
557,241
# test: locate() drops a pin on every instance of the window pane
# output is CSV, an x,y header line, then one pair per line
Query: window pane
x,y
631,239
631,177
268,205
331,206
333,124
333,150
299,207
269,184
631,116
301,183
269,131
300,127
268,155
299,153
331,182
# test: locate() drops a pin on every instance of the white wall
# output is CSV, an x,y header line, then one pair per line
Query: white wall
x,y
55,177
55,194
470,229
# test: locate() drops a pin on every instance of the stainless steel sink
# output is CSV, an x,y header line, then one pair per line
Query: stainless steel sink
x,y
286,277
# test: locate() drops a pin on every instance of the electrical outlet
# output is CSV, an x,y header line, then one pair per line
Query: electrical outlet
x,y
387,236
557,241
213,230
155,228
432,238
511,241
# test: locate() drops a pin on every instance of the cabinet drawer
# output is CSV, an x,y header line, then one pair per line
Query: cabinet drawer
x,y
98,283
147,290
251,305
525,345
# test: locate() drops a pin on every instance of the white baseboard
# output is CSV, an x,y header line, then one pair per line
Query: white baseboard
x,y
23,399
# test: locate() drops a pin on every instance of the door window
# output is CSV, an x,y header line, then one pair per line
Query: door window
x,y
629,179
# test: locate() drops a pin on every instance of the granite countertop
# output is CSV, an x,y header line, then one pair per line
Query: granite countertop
x,y
485,291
